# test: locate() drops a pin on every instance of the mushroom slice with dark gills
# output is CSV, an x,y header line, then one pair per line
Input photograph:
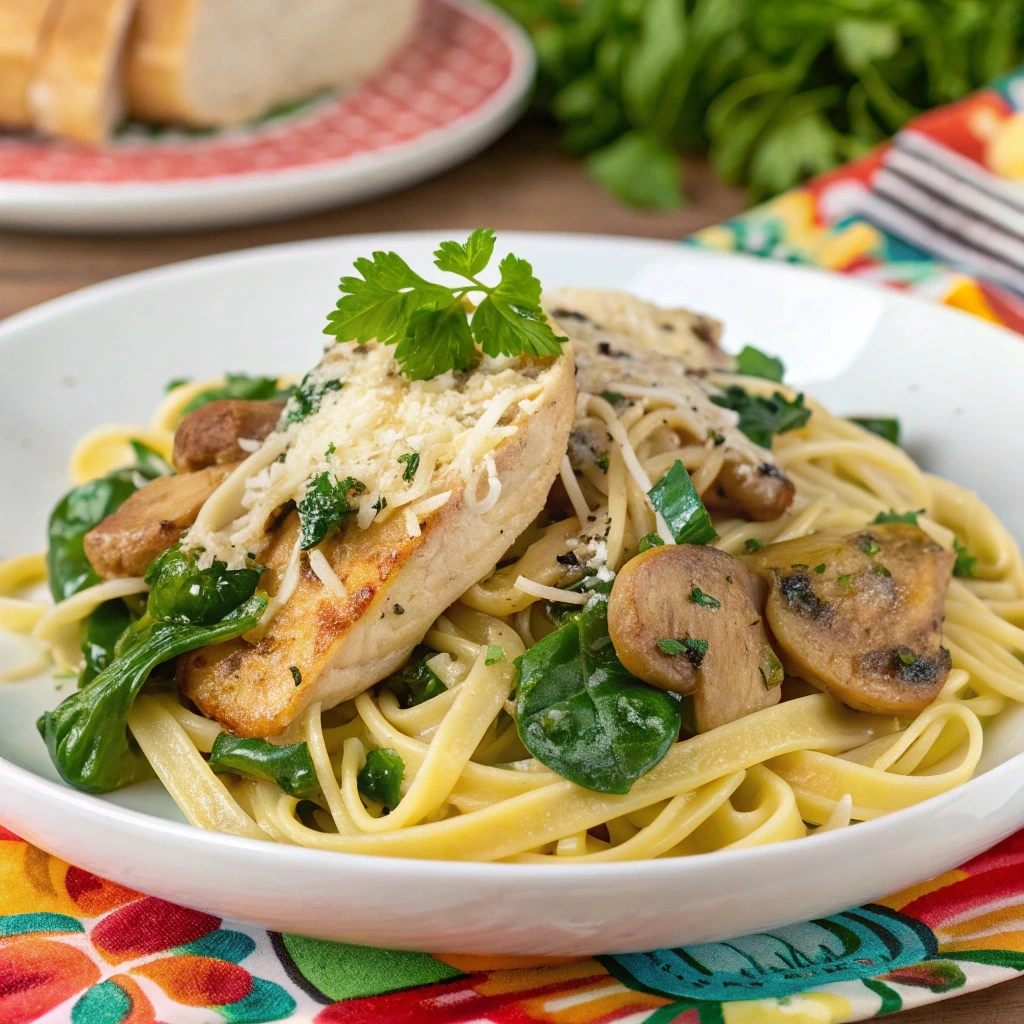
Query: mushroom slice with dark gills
x,y
688,618
861,616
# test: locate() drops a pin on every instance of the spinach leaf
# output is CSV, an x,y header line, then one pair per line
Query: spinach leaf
x,y
652,540
306,399
416,682
380,779
752,362
75,515
583,715
675,497
103,628
762,418
238,386
87,736
182,592
325,505
150,462
883,426
289,766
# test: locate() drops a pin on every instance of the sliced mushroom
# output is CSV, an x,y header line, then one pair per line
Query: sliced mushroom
x,y
705,608
149,522
209,436
761,492
861,616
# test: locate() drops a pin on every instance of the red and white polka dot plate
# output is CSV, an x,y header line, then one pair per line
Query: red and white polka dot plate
x,y
460,81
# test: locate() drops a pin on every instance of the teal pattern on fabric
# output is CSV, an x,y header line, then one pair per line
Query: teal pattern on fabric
x,y
25,924
105,1003
221,945
857,944
266,1001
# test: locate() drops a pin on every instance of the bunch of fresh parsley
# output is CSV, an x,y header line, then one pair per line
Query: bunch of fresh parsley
x,y
772,90
430,324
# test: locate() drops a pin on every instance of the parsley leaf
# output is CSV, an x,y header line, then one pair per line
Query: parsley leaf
x,y
495,653
429,323
306,399
693,649
652,540
416,682
898,517
412,463
752,362
883,426
753,544
762,418
697,596
324,506
965,561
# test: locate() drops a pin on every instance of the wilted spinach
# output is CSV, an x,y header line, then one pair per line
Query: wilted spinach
x,y
325,505
675,497
182,592
239,386
380,779
762,418
103,628
583,715
87,735
289,765
416,682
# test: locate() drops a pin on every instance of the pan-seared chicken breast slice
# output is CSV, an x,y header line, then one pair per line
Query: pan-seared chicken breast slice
x,y
627,346
348,612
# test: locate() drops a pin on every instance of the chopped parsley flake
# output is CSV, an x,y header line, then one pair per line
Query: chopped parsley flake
x,y
652,540
752,544
819,568
898,517
694,649
495,654
965,561
296,674
870,546
697,596
412,463
602,463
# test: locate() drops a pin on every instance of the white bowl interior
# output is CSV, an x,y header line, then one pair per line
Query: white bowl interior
x,y
105,355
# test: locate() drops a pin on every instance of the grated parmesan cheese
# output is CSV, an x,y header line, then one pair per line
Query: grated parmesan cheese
x,y
327,576
550,593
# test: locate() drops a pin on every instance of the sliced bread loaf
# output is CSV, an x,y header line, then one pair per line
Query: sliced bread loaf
x,y
75,90
23,25
224,62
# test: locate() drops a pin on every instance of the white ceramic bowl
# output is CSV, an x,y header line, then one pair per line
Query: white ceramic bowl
x,y
105,353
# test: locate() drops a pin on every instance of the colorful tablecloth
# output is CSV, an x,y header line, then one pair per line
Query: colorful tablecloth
x,y
938,212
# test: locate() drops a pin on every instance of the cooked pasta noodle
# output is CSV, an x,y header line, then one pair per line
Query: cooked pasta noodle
x,y
471,791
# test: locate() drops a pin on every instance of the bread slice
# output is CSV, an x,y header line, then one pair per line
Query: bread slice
x,y
223,62
75,90
23,26
327,646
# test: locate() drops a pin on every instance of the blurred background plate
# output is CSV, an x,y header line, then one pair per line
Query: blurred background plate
x,y
458,84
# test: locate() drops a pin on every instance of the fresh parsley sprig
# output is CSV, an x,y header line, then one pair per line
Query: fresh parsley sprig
x,y
430,324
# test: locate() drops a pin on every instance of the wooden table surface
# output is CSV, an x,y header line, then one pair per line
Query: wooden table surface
x,y
522,182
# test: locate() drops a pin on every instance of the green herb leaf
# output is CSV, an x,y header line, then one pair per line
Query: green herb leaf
x,y
429,323
694,649
324,506
82,508
380,779
670,646
675,497
652,540
103,628
771,670
236,386
150,462
178,382
416,682
887,427
412,463
965,561
495,653
752,544
289,766
697,596
762,418
820,568
870,546
296,674
580,713
86,735
306,399
641,170
181,592
752,362
467,260
898,517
